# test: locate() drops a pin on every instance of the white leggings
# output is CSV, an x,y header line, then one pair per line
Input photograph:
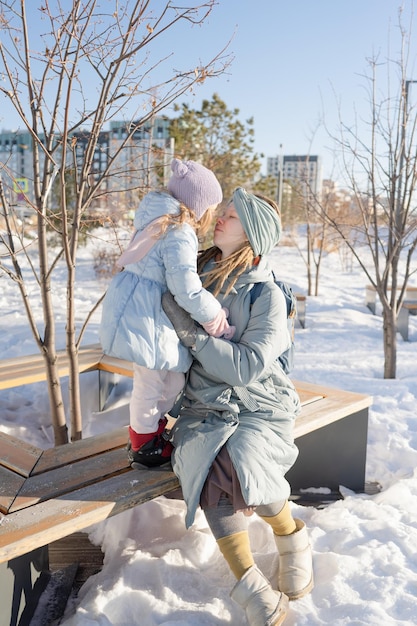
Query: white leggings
x,y
154,393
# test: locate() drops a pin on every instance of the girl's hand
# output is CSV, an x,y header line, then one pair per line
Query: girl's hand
x,y
219,326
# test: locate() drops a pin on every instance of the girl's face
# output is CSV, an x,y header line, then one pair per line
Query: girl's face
x,y
228,233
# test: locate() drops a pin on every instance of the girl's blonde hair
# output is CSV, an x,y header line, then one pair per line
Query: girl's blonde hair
x,y
186,216
232,266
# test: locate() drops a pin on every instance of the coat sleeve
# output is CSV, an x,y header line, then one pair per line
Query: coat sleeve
x,y
265,338
180,259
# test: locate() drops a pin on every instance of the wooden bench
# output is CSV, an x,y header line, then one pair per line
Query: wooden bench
x,y
370,296
409,307
301,309
26,370
49,494
45,494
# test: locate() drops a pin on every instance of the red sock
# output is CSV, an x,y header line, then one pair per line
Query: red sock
x,y
137,440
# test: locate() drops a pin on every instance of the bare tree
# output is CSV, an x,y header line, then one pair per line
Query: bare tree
x,y
305,210
301,204
380,165
86,65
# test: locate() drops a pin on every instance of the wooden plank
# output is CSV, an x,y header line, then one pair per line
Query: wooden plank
x,y
31,369
116,366
308,395
371,294
10,484
17,455
63,480
335,405
72,452
69,473
24,530
76,548
307,392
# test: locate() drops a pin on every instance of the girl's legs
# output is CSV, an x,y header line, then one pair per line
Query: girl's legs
x,y
154,393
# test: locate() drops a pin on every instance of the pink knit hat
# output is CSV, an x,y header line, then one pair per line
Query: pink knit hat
x,y
194,185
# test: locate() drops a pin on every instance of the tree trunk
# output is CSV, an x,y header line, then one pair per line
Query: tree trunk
x,y
309,263
390,341
74,394
55,398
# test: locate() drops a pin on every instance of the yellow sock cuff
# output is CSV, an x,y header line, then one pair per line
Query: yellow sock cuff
x,y
237,552
283,522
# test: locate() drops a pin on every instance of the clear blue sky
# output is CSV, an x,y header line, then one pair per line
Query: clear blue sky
x,y
294,60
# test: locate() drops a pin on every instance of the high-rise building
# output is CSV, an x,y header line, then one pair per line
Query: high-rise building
x,y
302,171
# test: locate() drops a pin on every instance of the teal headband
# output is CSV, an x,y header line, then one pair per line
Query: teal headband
x,y
260,221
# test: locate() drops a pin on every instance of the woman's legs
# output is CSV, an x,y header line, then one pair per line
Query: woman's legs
x,y
230,530
252,591
278,516
295,574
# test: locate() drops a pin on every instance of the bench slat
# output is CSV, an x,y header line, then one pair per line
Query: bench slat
x,y
334,405
10,484
307,396
90,446
114,365
307,393
68,478
24,530
31,369
17,455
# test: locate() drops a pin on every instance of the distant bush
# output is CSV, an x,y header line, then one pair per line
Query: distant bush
x,y
104,263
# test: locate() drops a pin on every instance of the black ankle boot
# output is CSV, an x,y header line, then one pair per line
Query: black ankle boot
x,y
154,453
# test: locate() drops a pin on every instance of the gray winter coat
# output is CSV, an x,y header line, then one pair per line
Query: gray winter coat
x,y
134,325
237,394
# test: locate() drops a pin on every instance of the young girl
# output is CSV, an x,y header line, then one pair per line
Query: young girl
x,y
162,254
233,440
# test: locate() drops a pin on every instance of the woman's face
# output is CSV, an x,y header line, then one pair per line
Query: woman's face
x,y
229,234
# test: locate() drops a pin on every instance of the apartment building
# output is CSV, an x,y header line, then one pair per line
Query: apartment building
x,y
132,158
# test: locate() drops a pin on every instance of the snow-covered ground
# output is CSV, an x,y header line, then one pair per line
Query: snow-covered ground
x,y
365,556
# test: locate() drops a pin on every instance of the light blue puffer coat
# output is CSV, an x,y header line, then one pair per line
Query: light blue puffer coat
x,y
238,395
134,325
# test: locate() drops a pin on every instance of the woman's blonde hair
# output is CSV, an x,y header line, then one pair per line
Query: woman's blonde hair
x,y
232,266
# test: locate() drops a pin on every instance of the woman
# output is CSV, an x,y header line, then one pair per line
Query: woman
x,y
233,441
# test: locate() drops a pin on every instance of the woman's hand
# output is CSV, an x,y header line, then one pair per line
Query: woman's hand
x,y
183,323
